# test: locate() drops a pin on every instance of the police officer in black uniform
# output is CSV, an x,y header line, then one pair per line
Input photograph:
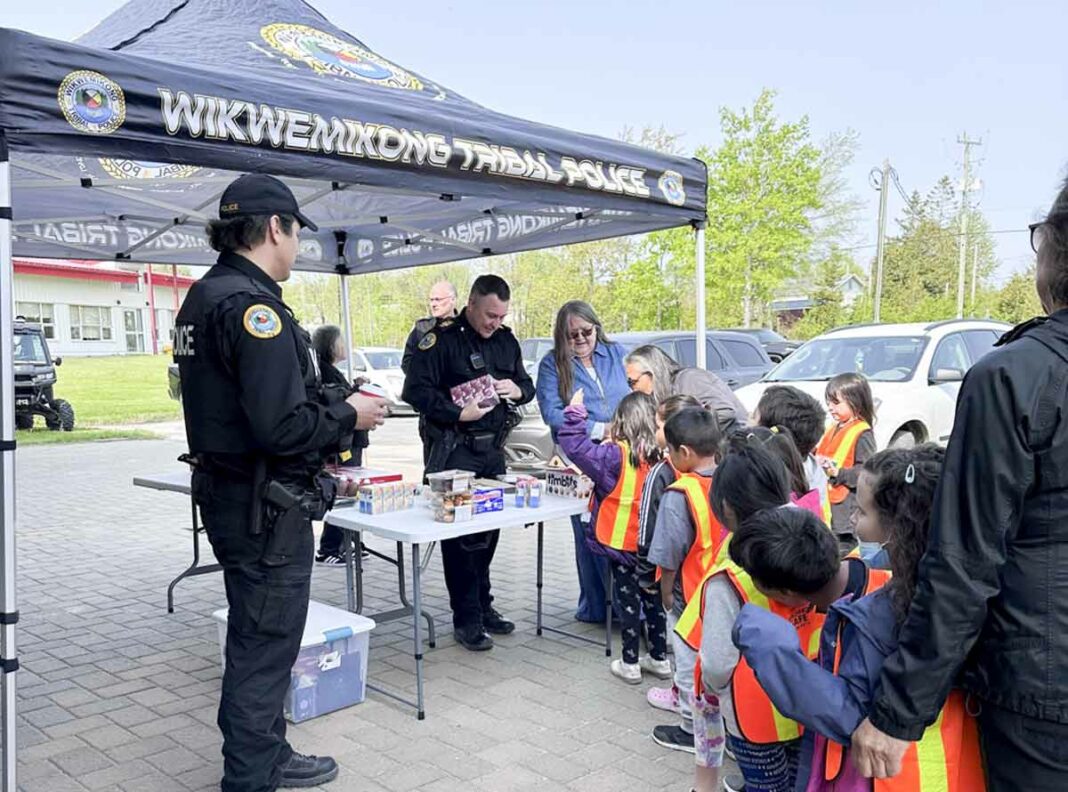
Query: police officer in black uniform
x,y
442,308
457,351
258,426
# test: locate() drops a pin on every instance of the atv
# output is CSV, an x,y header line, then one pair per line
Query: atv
x,y
35,376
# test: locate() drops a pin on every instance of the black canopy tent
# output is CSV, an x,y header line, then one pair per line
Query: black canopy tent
x,y
118,146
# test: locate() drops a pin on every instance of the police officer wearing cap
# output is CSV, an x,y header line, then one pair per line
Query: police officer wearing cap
x,y
457,351
258,424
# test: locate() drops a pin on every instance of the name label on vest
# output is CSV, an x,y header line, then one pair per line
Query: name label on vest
x,y
183,341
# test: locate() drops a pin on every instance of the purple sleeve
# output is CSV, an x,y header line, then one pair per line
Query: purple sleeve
x,y
599,461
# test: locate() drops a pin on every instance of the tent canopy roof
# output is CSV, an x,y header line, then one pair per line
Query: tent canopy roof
x,y
122,142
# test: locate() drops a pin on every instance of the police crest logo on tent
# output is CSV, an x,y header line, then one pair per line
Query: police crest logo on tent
x,y
91,102
140,169
327,54
671,185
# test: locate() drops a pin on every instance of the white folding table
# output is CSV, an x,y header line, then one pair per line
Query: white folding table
x,y
417,527
179,481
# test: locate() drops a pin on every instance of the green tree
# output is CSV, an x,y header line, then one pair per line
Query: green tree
x,y
921,263
764,187
1017,300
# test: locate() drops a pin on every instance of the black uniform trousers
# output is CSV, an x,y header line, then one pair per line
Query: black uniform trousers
x,y
268,608
1022,753
467,559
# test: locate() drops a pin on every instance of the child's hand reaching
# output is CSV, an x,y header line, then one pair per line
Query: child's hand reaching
x,y
577,399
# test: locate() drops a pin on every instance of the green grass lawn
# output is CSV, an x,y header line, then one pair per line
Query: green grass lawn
x,y
42,436
116,390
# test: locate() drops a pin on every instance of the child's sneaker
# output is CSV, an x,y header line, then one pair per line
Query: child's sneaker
x,y
674,737
664,698
661,669
733,783
631,673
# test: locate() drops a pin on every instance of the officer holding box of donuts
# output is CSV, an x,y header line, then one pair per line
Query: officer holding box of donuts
x,y
469,433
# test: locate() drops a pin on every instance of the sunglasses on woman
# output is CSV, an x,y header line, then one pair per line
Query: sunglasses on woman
x,y
586,333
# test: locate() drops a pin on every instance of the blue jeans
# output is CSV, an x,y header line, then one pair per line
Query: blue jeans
x,y
592,575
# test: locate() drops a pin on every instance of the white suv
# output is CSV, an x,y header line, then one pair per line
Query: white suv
x,y
915,371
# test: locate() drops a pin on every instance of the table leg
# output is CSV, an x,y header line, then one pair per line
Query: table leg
x,y
195,568
417,594
402,593
541,553
350,570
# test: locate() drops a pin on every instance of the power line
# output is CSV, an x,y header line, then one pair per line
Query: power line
x,y
952,234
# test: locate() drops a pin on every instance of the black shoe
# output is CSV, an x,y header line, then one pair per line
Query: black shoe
x,y
473,638
307,771
495,624
673,737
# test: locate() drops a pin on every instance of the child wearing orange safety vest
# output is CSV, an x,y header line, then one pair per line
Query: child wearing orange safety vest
x,y
845,447
895,492
661,476
618,467
684,545
751,496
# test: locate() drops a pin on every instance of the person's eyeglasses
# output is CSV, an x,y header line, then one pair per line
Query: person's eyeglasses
x,y
585,332
633,382
436,300
1036,235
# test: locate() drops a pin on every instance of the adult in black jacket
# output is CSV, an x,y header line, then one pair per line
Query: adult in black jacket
x,y
991,599
330,349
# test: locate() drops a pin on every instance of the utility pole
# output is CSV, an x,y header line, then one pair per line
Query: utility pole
x,y
965,188
883,188
975,272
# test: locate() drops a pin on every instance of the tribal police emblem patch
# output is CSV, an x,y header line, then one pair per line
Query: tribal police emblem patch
x,y
92,102
261,321
671,186
327,54
427,341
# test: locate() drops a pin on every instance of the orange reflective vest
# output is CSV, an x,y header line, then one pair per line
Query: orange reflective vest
x,y
617,516
839,444
759,721
708,532
946,759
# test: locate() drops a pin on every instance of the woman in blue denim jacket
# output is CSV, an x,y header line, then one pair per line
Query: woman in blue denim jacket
x,y
583,357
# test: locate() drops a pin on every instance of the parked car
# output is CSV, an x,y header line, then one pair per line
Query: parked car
x,y
915,371
777,347
382,366
735,358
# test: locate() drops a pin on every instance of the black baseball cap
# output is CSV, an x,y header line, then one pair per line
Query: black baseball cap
x,y
260,194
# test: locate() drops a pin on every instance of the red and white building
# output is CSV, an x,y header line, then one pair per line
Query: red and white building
x,y
99,308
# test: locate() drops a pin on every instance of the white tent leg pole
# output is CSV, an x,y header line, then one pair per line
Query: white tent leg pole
x,y
700,276
8,606
346,325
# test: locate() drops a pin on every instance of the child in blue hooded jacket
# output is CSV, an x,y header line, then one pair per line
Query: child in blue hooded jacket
x,y
832,697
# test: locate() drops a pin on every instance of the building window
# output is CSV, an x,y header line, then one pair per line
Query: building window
x,y
38,313
90,323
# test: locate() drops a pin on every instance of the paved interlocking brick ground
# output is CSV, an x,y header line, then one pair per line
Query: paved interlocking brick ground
x,y
117,694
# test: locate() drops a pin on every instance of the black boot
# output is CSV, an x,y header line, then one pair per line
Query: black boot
x,y
473,638
307,771
496,624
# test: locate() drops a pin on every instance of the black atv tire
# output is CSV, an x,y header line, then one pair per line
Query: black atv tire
x,y
64,417
24,420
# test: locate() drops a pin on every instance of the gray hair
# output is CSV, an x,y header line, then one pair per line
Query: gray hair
x,y
561,350
659,365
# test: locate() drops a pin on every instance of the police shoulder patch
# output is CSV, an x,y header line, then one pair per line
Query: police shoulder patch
x,y
428,341
262,321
